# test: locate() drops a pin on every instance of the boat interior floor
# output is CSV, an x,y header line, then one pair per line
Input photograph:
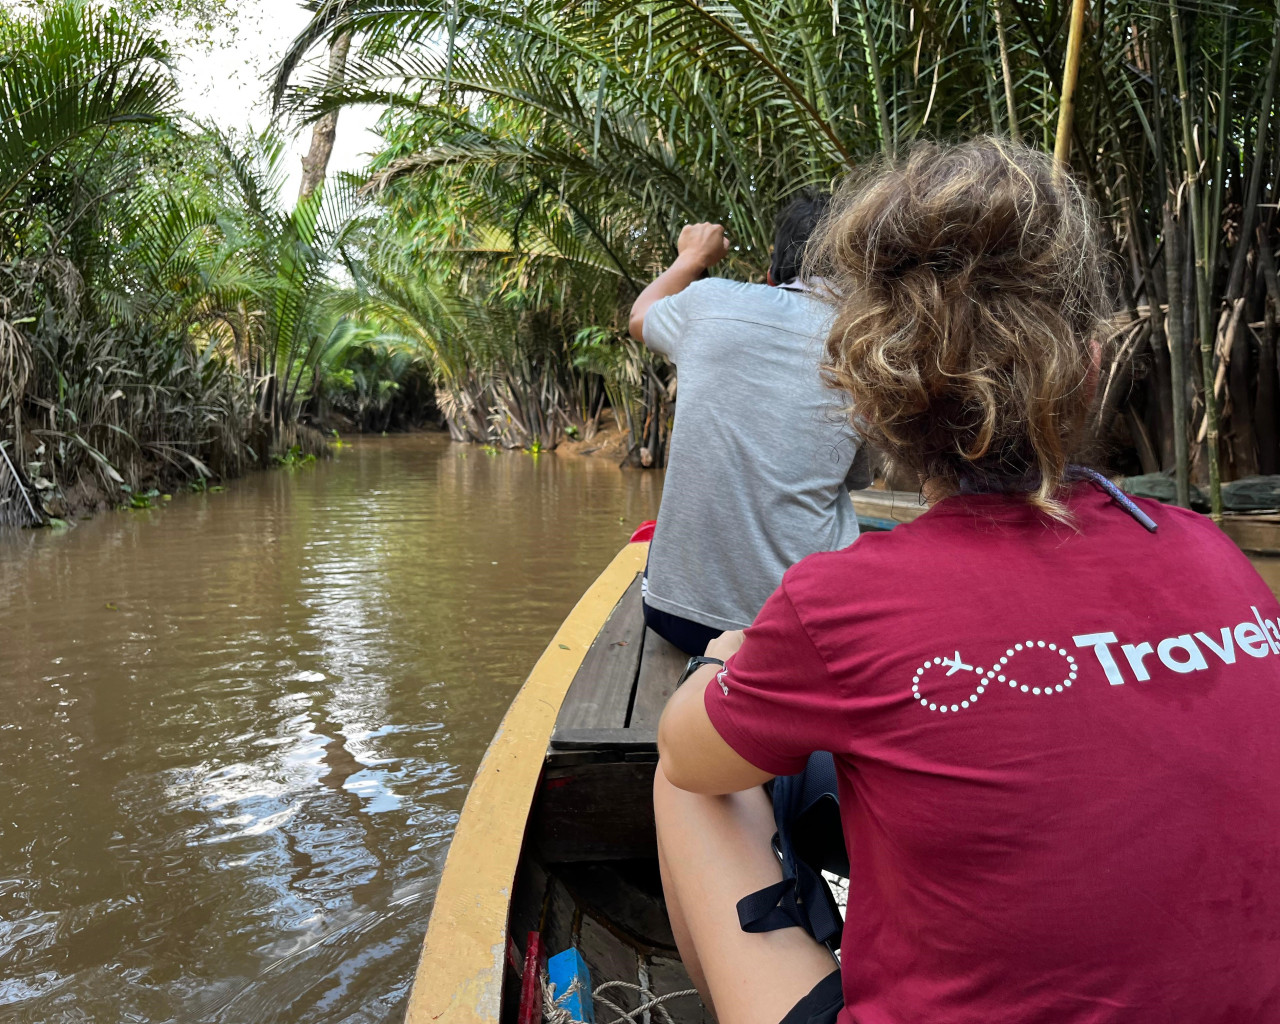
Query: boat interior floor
x,y
613,914
588,878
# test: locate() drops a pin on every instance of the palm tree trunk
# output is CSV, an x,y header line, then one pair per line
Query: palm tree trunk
x,y
316,162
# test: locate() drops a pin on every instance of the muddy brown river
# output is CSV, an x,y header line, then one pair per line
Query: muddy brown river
x,y
236,732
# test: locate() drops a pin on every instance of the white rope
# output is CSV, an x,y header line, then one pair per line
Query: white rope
x,y
555,1012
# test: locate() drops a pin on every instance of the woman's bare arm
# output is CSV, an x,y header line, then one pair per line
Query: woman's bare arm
x,y
691,752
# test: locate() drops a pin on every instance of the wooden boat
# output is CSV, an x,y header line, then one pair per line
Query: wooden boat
x,y
556,836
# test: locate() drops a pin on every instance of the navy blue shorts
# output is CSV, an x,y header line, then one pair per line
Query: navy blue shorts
x,y
821,1006
690,636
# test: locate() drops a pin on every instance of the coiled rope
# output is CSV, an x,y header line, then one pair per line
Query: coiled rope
x,y
555,1012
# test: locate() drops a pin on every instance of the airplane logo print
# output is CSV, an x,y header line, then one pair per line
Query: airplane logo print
x,y
1002,671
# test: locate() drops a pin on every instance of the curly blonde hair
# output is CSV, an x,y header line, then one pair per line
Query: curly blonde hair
x,y
968,282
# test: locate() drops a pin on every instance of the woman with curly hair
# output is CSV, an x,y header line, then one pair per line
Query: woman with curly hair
x,y
1054,711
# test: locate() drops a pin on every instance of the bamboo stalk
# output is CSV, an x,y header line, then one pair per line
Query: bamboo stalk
x,y
1177,357
989,77
1177,390
1070,77
1201,283
1235,283
1214,199
1269,456
1007,72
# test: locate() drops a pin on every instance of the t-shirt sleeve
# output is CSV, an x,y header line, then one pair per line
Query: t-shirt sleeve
x,y
774,702
665,323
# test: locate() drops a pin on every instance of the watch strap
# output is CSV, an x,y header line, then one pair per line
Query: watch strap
x,y
695,663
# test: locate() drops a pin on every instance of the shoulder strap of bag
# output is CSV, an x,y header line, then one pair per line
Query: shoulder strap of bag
x,y
802,899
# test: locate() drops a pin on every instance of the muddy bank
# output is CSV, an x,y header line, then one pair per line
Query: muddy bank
x,y
29,498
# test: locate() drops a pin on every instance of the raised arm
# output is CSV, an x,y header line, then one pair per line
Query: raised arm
x,y
699,247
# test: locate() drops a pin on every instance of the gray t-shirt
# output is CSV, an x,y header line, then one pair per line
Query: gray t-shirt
x,y
760,450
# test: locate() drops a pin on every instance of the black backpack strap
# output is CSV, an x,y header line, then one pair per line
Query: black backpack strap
x,y
771,908
802,899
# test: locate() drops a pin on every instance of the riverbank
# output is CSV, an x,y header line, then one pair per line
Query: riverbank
x,y
610,441
34,499
157,485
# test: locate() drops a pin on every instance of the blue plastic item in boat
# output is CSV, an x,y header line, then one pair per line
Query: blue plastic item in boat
x,y
562,970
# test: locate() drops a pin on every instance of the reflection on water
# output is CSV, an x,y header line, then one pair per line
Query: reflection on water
x,y
237,732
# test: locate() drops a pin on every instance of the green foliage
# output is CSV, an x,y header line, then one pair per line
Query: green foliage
x,y
101,384
295,458
543,155
140,499
68,78
375,380
163,316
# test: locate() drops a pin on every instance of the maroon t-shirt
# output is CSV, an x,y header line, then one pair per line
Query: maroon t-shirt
x,y
1059,760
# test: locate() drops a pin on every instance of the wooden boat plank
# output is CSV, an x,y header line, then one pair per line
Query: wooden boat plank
x,y
667,975
460,973
1258,533
605,739
600,693
660,666
638,912
530,899
561,921
595,812
609,959
883,510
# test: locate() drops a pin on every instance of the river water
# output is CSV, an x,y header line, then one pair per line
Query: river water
x,y
236,732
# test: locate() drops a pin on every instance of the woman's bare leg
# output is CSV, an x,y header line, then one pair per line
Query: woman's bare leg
x,y
684,942
713,850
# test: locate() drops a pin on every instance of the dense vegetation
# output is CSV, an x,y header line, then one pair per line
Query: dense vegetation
x,y
164,316
545,154
165,313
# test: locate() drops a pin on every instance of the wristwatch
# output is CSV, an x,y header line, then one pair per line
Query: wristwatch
x,y
695,663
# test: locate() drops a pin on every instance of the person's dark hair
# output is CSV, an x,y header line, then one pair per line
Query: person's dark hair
x,y
792,227
968,283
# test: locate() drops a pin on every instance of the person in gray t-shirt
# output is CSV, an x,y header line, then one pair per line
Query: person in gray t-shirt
x,y
760,453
